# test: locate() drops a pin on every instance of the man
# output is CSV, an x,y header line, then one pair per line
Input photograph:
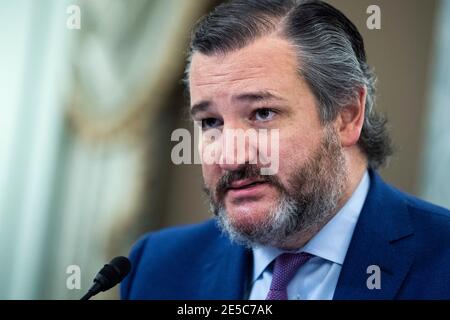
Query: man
x,y
324,225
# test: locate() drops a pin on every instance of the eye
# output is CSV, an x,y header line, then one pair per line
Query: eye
x,y
264,114
210,123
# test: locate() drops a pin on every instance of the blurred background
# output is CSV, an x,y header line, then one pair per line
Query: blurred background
x,y
86,117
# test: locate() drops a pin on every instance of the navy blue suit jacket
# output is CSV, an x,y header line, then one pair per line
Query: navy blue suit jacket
x,y
407,238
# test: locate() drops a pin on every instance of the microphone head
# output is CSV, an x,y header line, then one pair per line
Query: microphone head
x,y
122,266
113,273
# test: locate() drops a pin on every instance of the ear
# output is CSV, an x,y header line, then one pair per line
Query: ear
x,y
350,120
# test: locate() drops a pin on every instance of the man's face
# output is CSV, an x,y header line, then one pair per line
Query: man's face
x,y
258,87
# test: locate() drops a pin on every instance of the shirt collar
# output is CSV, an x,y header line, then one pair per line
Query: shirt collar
x,y
331,242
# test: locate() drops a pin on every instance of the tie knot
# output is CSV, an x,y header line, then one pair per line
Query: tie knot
x,y
286,266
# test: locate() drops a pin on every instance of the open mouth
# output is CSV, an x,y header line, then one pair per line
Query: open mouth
x,y
245,184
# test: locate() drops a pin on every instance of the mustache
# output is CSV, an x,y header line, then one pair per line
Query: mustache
x,y
249,171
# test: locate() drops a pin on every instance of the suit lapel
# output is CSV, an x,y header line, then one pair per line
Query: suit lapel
x,y
382,238
226,276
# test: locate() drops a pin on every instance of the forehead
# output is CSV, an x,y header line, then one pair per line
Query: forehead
x,y
268,64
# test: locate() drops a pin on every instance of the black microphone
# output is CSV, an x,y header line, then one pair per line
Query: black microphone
x,y
110,275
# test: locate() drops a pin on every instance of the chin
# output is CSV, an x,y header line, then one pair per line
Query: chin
x,y
248,215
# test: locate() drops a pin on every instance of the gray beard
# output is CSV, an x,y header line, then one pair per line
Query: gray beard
x,y
312,201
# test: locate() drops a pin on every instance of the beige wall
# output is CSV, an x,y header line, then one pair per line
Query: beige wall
x,y
400,53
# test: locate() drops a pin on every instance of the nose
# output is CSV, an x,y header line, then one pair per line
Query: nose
x,y
238,148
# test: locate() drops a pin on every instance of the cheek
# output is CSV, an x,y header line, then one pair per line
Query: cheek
x,y
295,149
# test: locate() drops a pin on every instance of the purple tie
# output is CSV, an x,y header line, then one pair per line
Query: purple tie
x,y
286,266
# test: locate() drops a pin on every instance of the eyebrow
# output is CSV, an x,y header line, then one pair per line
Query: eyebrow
x,y
249,97
199,107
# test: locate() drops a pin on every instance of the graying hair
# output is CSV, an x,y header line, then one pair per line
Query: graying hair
x,y
331,55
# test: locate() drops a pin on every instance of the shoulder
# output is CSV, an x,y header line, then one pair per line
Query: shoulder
x,y
394,215
179,240
406,209
426,215
431,223
155,253
178,237
160,259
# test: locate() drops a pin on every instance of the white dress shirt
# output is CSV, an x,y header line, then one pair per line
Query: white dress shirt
x,y
317,278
